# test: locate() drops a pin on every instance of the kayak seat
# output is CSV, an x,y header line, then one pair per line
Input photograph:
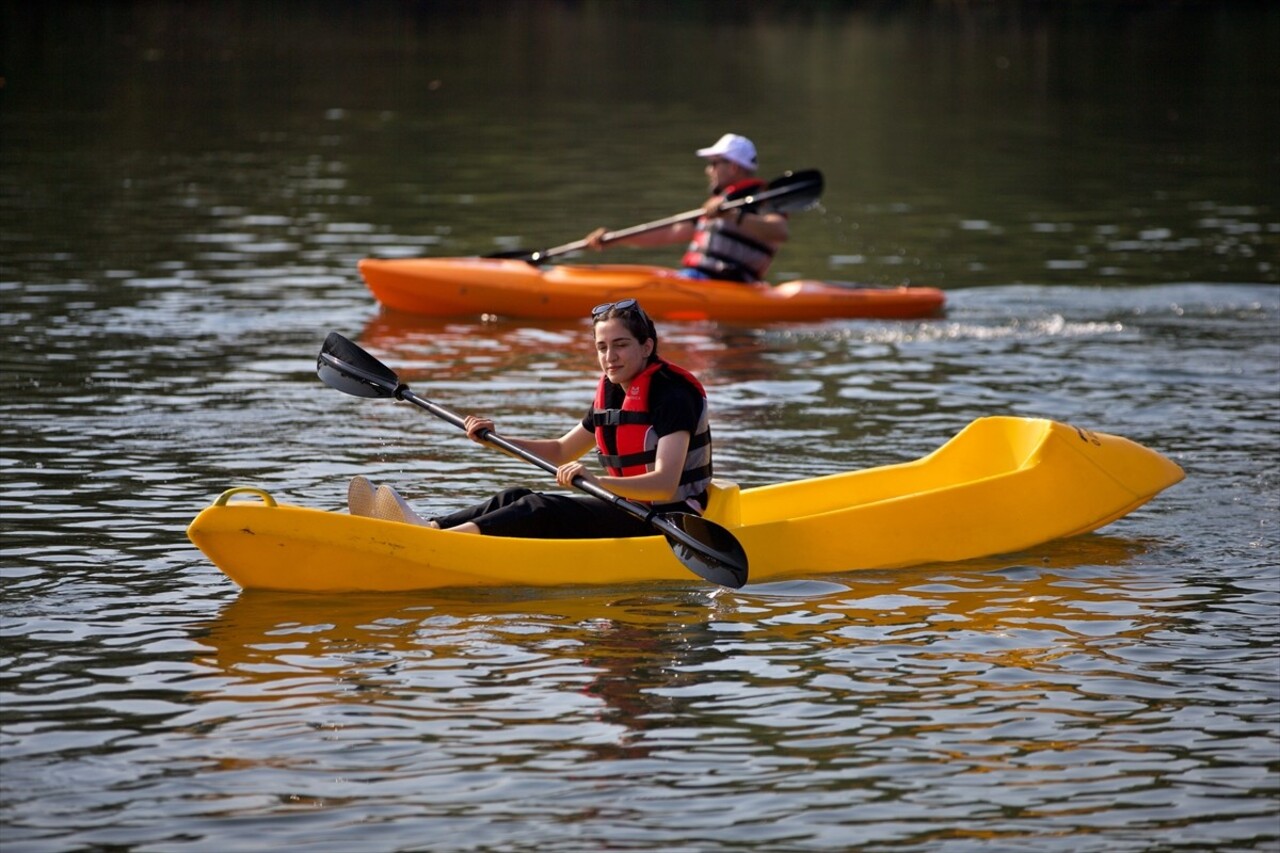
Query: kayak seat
x,y
723,504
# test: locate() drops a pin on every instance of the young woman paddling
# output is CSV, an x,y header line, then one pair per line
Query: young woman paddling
x,y
648,423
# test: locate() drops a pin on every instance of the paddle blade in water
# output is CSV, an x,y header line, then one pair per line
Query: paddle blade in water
x,y
344,366
705,548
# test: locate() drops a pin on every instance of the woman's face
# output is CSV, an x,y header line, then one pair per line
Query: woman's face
x,y
621,356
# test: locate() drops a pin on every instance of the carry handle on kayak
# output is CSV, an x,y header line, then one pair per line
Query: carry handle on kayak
x,y
791,192
704,547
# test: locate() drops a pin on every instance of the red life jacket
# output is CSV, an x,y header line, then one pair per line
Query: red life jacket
x,y
627,445
721,250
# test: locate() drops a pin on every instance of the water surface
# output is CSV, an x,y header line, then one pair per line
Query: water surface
x,y
184,192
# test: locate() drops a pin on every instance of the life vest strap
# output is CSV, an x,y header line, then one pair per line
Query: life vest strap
x,y
647,457
694,475
627,460
618,417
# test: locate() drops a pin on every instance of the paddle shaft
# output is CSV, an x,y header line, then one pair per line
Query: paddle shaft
x,y
645,514
388,384
579,482
687,216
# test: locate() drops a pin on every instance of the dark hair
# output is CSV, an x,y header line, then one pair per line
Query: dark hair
x,y
633,317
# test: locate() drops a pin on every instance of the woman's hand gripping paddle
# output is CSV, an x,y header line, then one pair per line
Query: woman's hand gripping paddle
x,y
704,547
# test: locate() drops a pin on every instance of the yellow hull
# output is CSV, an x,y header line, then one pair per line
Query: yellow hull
x,y
1002,484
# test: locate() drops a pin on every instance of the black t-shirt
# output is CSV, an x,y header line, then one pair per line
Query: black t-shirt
x,y
674,404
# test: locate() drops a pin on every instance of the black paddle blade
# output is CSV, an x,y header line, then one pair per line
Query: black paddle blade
x,y
799,190
706,549
344,366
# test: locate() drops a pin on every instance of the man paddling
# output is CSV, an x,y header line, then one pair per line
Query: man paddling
x,y
733,245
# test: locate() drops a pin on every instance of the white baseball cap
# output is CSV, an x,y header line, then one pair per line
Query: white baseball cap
x,y
733,147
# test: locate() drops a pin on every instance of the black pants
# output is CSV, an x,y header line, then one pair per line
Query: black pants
x,y
534,515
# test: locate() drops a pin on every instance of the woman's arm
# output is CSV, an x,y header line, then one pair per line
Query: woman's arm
x,y
557,451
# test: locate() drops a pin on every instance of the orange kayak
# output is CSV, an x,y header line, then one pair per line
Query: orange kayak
x,y
447,287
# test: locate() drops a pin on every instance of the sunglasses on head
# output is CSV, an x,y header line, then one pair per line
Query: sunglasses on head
x,y
621,305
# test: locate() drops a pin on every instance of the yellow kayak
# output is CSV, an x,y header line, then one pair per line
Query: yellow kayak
x,y
1003,484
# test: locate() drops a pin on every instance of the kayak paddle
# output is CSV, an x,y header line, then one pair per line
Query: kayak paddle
x,y
704,547
792,191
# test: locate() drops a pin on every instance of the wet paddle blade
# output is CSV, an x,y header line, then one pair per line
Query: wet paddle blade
x,y
794,191
705,548
346,367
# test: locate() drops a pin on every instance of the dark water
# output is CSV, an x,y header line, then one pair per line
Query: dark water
x,y
184,191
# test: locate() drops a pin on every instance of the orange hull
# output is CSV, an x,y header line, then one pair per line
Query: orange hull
x,y
451,287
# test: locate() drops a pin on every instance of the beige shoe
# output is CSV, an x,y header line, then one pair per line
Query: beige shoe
x,y
360,496
389,506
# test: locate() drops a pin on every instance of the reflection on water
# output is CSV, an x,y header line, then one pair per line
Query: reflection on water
x,y
275,638
908,698
439,349
185,190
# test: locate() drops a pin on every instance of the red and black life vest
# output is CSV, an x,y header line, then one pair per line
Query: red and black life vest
x,y
720,249
627,445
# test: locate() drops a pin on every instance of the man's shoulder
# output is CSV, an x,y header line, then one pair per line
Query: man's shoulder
x,y
745,188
